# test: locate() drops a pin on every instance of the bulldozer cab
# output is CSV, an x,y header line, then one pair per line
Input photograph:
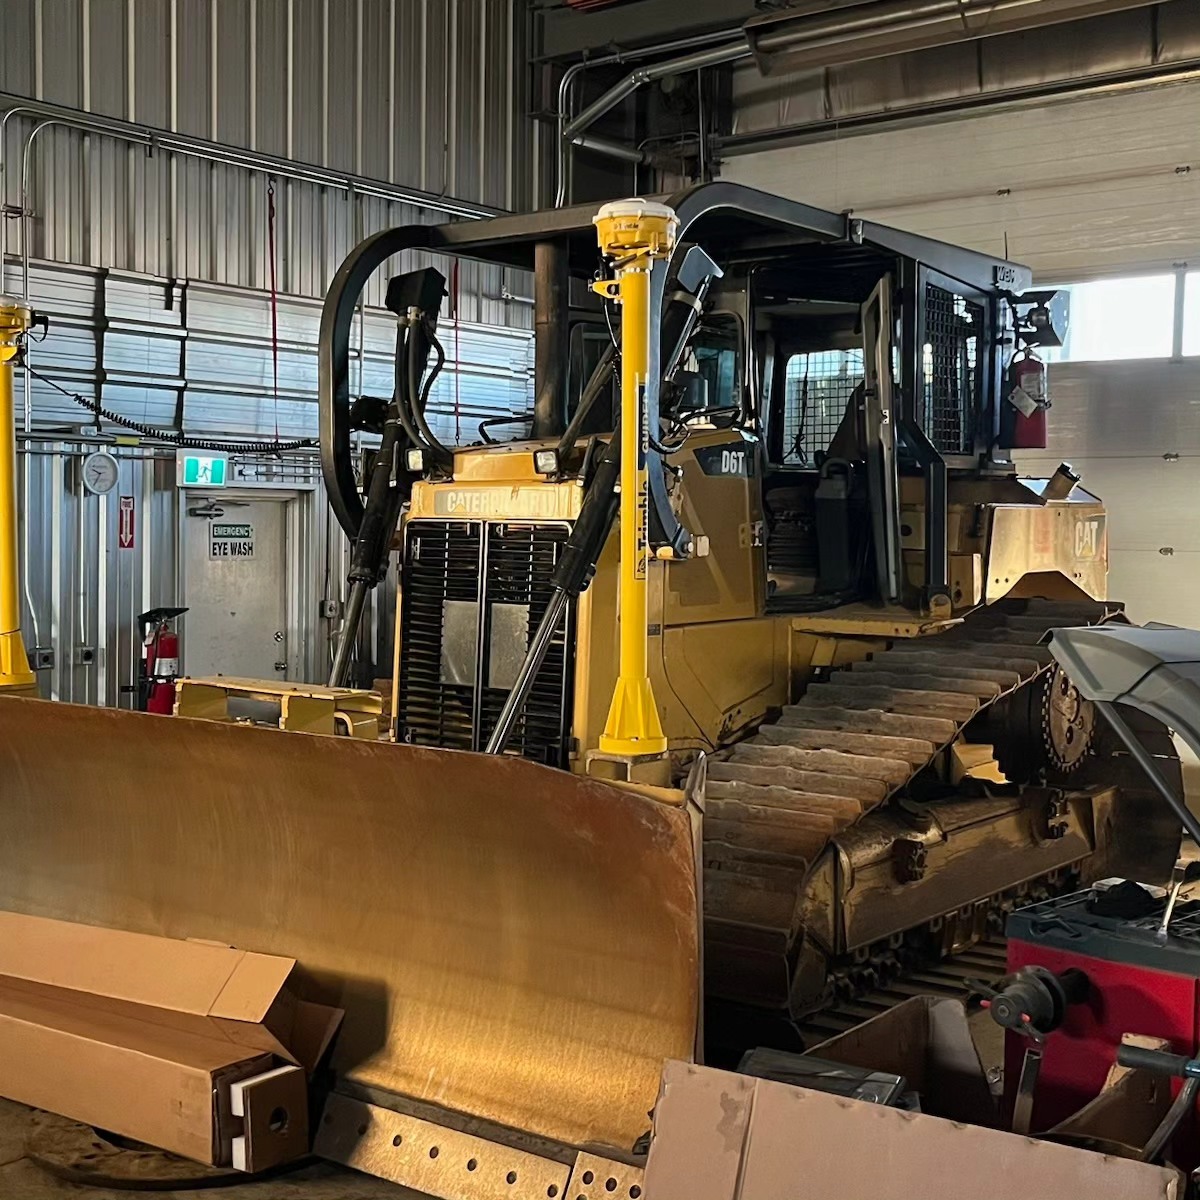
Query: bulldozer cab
x,y
845,372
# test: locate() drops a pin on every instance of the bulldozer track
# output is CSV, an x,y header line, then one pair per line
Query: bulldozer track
x,y
948,977
857,738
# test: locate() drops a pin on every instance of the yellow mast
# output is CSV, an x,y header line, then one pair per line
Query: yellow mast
x,y
14,665
633,233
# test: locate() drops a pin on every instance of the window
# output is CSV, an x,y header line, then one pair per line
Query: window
x,y
817,388
1191,313
1112,319
714,361
951,381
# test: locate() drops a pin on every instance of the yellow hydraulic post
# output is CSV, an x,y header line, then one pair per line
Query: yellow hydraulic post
x,y
14,666
633,233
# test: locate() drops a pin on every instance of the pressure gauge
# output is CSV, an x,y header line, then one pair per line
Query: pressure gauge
x,y
100,473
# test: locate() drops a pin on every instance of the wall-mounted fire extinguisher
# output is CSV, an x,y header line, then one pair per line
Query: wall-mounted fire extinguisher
x,y
160,660
1024,423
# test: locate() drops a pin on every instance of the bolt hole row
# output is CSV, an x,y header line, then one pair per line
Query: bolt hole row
x,y
610,1185
589,1177
472,1164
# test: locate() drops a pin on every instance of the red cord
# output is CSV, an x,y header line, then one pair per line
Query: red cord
x,y
274,298
454,302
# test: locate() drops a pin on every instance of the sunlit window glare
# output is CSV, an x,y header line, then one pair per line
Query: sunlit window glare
x,y
1191,313
1114,319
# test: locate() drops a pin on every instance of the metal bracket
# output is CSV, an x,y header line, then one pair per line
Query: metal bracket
x,y
910,858
303,707
1058,816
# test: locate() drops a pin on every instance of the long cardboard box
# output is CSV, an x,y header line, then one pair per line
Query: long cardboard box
x,y
193,1047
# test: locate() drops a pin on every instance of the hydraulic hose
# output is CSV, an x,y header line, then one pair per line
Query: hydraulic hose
x,y
418,356
600,378
385,497
403,410
345,648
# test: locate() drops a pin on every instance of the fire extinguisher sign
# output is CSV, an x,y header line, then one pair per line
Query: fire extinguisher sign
x,y
125,526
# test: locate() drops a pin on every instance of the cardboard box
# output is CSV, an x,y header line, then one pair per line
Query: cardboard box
x,y
928,1041
197,1048
723,1136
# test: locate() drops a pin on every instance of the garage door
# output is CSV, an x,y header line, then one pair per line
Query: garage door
x,y
1132,430
1079,187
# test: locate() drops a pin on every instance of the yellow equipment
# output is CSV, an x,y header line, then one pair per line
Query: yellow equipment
x,y
14,666
797,705
633,235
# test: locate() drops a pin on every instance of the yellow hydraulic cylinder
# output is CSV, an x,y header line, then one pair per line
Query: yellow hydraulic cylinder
x,y
14,665
633,233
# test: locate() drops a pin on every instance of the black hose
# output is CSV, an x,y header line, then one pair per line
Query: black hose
x,y
437,369
417,395
404,357
594,523
169,435
601,376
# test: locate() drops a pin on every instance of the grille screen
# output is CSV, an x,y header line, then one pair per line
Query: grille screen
x,y
950,368
473,594
818,387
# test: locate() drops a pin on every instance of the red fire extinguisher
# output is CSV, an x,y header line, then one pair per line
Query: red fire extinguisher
x,y
160,660
1029,399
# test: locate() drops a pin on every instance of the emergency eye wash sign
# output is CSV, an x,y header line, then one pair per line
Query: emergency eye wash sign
x,y
227,541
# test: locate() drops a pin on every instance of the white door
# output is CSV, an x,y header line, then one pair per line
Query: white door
x,y
235,588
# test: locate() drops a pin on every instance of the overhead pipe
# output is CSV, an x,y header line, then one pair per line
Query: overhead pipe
x,y
611,147
879,28
711,57
566,88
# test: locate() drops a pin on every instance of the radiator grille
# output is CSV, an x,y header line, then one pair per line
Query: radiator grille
x,y
950,368
472,595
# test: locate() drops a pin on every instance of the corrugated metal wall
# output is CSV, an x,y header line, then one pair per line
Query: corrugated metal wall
x,y
425,94
154,352
154,266
197,357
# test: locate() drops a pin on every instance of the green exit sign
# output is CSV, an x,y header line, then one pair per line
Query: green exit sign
x,y
201,470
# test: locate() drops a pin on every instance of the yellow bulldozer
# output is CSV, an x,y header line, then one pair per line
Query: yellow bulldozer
x,y
717,700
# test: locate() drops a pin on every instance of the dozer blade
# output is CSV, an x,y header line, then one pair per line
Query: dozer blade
x,y
509,941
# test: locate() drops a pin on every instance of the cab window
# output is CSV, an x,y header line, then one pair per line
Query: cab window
x,y
712,367
817,388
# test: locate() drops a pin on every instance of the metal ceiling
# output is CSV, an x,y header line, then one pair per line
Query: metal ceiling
x,y
1144,44
810,69
868,29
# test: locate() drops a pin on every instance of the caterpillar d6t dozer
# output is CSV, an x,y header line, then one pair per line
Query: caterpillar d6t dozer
x,y
778,729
